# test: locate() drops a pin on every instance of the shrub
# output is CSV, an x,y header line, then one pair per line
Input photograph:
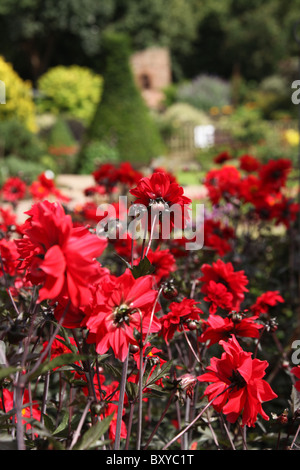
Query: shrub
x,y
122,119
178,115
19,100
16,139
96,153
205,92
26,170
74,91
245,125
62,146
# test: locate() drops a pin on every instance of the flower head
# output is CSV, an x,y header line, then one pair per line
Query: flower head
x,y
217,328
234,282
162,195
274,173
237,384
296,372
179,316
249,163
57,255
265,301
14,189
120,306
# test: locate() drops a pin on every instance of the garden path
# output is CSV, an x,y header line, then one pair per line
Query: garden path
x,y
73,186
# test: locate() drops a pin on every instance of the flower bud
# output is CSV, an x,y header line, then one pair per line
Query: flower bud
x,y
187,383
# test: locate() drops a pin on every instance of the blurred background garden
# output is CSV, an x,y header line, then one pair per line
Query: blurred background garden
x,y
170,82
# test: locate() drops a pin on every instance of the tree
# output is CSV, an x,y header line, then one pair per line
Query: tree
x,y
37,34
122,119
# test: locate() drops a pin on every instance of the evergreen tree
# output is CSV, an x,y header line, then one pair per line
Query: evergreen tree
x,y
122,119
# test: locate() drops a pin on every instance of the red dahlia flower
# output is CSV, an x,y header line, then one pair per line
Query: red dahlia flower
x,y
265,301
296,372
58,256
223,183
14,189
45,187
249,163
218,296
9,257
8,221
59,347
108,396
237,384
252,190
160,194
179,316
222,157
28,412
163,263
122,305
128,175
223,273
274,173
286,211
217,328
106,175
217,236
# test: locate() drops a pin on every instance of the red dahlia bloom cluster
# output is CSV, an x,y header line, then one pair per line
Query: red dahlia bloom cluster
x,y
237,384
261,186
108,175
273,174
218,236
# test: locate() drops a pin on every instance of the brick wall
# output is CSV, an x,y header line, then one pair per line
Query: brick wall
x,y
152,72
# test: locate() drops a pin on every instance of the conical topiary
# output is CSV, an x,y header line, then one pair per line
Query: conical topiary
x,y
122,119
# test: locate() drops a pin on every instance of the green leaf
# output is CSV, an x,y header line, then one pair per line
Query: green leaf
x,y
6,371
143,268
131,390
114,370
93,434
58,361
159,373
63,424
49,424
